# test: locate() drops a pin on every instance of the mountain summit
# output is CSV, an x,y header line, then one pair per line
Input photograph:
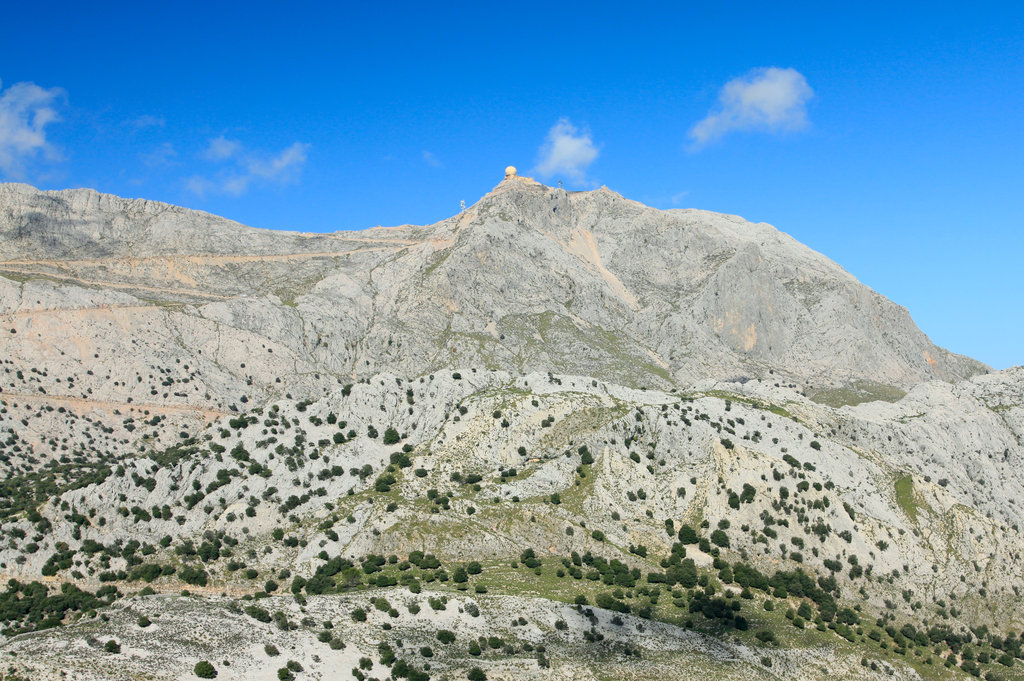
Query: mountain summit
x,y
530,278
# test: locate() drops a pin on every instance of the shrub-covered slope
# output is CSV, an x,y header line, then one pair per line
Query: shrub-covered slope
x,y
698,509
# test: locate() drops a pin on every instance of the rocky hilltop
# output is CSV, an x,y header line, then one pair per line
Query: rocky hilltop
x,y
530,278
557,436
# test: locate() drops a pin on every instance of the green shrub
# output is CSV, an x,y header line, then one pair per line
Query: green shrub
x,y
687,535
205,670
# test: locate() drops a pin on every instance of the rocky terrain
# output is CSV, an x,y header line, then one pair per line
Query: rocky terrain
x,y
530,278
585,438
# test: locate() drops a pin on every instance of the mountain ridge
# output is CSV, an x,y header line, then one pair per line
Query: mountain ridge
x,y
734,297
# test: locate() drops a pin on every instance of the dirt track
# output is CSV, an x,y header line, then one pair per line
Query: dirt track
x,y
83,404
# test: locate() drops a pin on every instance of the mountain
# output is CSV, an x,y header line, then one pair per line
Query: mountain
x,y
530,278
560,435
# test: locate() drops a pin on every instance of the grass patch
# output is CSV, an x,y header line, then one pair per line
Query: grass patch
x,y
856,393
161,302
24,277
905,496
437,263
755,403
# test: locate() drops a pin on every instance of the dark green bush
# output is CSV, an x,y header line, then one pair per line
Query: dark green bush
x,y
205,670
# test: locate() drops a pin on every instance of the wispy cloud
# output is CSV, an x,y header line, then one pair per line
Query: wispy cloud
x,y
247,168
768,99
678,197
161,156
25,111
567,151
147,121
431,160
221,148
201,186
282,168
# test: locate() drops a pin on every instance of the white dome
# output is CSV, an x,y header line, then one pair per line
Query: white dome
x,y
510,171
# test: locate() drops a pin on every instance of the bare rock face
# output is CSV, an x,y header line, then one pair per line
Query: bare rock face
x,y
530,278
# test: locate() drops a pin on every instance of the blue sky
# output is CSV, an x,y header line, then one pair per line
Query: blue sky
x,y
888,136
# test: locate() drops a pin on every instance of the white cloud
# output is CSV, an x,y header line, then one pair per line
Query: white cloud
x,y
248,168
25,111
221,148
566,151
431,160
769,99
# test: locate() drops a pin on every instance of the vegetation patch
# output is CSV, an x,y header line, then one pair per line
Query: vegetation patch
x,y
856,393
905,496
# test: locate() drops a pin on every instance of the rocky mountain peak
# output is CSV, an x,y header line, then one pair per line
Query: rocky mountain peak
x,y
529,278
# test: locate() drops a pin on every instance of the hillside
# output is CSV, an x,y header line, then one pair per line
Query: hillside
x,y
558,436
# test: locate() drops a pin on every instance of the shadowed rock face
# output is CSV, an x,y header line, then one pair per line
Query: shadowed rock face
x,y
530,278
